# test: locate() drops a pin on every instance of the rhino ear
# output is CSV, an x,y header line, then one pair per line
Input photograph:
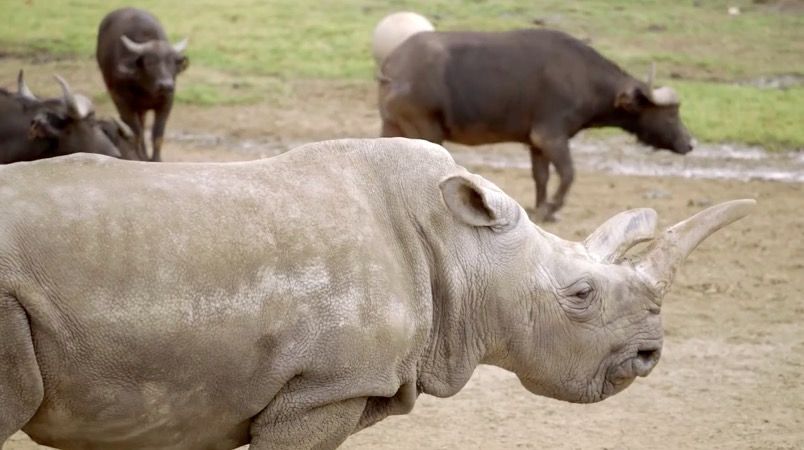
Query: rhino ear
x,y
479,203
609,242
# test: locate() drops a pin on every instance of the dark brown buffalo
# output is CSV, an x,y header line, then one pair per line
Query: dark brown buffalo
x,y
139,67
34,129
539,87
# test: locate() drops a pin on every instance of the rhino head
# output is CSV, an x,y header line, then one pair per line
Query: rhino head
x,y
576,321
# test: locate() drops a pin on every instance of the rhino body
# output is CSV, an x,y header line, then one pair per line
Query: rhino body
x,y
230,303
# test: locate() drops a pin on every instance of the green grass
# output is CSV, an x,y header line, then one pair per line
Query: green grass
x,y
721,112
701,47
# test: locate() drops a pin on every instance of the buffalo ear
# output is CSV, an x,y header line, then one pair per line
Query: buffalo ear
x,y
182,63
128,67
42,127
478,202
632,99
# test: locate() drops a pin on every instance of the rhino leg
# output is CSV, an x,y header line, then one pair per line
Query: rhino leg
x,y
21,389
300,417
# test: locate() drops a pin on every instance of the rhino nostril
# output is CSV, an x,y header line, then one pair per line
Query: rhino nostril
x,y
646,356
645,361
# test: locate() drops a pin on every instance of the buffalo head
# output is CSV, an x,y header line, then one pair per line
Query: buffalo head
x,y
154,64
656,120
71,125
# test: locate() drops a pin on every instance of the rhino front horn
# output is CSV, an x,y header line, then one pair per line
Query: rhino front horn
x,y
669,250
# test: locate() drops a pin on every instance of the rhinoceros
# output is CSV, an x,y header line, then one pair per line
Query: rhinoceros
x,y
292,301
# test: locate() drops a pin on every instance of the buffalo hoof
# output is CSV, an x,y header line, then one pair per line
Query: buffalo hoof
x,y
545,213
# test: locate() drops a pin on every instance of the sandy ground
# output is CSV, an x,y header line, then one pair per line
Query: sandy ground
x,y
733,360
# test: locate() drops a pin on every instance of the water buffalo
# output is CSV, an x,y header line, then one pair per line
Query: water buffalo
x,y
539,87
393,30
31,128
168,321
139,67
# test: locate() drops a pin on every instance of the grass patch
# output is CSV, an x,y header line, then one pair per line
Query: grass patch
x,y
719,112
695,41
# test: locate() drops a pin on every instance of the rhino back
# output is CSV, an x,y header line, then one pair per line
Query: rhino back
x,y
158,291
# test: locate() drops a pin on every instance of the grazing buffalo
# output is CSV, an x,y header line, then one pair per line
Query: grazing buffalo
x,y
139,67
231,303
34,129
539,87
393,30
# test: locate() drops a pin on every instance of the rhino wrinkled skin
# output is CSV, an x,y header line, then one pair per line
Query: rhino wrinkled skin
x,y
292,301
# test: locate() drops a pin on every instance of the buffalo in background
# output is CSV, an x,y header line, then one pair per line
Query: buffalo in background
x,y
538,87
139,67
31,128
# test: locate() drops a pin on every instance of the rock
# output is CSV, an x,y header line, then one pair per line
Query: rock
x,y
702,202
656,193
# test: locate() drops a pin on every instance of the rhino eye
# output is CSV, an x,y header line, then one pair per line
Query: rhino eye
x,y
584,293
577,300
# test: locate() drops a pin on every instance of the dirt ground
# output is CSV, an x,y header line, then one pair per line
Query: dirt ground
x,y
733,359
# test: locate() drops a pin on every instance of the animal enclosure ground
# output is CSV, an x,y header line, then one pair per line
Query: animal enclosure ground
x,y
731,371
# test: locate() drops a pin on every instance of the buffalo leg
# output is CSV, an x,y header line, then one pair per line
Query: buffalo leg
x,y
540,168
557,151
21,389
160,120
390,129
136,121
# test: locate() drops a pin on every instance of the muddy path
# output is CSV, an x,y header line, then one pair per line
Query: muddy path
x,y
733,359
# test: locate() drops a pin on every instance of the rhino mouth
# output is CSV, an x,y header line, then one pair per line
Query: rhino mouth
x,y
638,363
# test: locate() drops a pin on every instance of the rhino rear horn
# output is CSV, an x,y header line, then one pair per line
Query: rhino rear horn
x,y
78,106
22,87
610,241
666,254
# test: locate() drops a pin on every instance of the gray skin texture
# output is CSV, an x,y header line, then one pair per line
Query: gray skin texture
x,y
292,301
139,81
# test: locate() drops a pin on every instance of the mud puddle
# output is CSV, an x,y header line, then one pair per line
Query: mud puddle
x,y
613,155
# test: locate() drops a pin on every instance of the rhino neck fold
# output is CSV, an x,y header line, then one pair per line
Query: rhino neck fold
x,y
459,336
